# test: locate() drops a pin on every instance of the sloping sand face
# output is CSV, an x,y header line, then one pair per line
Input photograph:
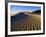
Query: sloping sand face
x,y
28,23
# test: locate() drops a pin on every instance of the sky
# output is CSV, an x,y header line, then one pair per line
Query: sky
x,y
15,8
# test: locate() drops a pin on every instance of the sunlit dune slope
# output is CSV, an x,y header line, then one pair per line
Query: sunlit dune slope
x,y
25,22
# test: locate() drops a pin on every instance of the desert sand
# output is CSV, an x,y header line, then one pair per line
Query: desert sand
x,y
28,23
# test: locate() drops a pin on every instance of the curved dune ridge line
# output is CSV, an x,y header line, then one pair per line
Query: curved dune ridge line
x,y
30,22
15,13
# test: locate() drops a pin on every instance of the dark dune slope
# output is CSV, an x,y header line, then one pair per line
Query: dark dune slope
x,y
37,12
18,17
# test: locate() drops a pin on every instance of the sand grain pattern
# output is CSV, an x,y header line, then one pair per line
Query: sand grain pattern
x,y
31,22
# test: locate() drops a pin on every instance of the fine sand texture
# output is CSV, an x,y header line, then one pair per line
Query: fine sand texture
x,y
27,22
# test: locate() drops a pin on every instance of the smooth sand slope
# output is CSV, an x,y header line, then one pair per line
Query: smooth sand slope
x,y
30,22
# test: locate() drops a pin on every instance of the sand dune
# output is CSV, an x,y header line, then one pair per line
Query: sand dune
x,y
30,22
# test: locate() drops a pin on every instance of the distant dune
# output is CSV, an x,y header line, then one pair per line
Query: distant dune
x,y
37,12
25,22
27,12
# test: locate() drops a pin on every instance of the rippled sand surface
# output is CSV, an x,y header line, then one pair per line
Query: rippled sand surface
x,y
28,23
